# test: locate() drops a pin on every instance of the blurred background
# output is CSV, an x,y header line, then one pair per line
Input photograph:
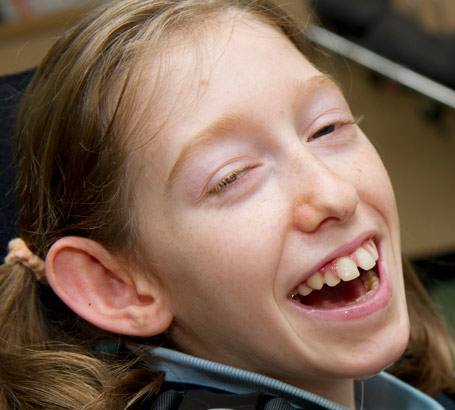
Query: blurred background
x,y
395,60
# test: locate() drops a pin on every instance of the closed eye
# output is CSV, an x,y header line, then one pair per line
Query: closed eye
x,y
228,180
331,128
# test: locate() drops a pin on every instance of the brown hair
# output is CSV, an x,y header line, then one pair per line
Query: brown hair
x,y
73,140
429,360
73,119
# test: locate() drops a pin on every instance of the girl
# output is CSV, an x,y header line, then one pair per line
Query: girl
x,y
185,172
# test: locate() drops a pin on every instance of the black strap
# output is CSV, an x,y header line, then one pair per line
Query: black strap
x,y
168,400
203,399
278,404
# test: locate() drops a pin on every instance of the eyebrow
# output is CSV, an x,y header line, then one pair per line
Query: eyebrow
x,y
303,87
205,137
227,123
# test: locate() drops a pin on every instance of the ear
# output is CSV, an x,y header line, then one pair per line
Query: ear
x,y
105,290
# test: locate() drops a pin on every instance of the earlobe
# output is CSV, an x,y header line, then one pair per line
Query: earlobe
x,y
104,290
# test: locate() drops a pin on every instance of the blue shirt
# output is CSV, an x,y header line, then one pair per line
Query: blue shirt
x,y
381,392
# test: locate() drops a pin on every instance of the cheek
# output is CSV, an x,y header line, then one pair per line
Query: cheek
x,y
213,260
238,242
213,254
373,183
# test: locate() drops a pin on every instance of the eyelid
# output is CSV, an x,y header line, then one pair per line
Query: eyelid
x,y
237,165
340,119
219,188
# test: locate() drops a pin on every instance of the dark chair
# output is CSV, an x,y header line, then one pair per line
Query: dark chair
x,y
11,91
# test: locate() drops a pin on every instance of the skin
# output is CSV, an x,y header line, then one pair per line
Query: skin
x,y
257,177
228,260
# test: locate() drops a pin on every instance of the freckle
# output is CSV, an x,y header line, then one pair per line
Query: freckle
x,y
359,170
204,83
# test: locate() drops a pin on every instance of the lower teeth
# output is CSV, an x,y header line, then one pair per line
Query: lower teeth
x,y
371,283
370,280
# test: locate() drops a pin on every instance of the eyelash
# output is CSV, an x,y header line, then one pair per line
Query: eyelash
x,y
333,127
228,180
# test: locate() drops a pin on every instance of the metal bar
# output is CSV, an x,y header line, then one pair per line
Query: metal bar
x,y
382,65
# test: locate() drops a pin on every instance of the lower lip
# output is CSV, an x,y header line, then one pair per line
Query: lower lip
x,y
377,301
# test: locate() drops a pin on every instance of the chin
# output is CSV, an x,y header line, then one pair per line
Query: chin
x,y
381,357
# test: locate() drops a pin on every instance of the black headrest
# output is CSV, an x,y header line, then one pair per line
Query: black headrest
x,y
11,90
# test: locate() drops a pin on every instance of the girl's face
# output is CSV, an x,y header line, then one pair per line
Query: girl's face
x,y
258,180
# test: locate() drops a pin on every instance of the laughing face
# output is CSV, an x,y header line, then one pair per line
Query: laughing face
x,y
269,218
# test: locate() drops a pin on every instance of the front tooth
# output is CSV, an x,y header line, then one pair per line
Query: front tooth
x,y
364,259
304,290
347,268
373,250
331,279
316,281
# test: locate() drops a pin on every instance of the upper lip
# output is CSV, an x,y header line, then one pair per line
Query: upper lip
x,y
342,250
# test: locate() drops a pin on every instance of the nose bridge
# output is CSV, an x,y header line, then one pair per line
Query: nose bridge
x,y
321,194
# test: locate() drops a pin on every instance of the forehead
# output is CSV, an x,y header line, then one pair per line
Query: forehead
x,y
197,73
228,70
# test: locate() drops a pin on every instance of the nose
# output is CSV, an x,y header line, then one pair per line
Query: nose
x,y
322,195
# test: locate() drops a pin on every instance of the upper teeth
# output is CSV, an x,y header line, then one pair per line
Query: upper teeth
x,y
365,260
330,279
316,281
344,268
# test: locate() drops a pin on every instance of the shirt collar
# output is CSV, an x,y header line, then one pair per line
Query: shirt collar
x,y
382,391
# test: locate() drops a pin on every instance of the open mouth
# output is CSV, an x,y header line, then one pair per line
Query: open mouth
x,y
343,281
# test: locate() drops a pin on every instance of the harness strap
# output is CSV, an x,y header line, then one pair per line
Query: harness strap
x,y
278,404
168,400
203,399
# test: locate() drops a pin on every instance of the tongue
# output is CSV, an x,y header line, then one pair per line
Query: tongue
x,y
338,296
